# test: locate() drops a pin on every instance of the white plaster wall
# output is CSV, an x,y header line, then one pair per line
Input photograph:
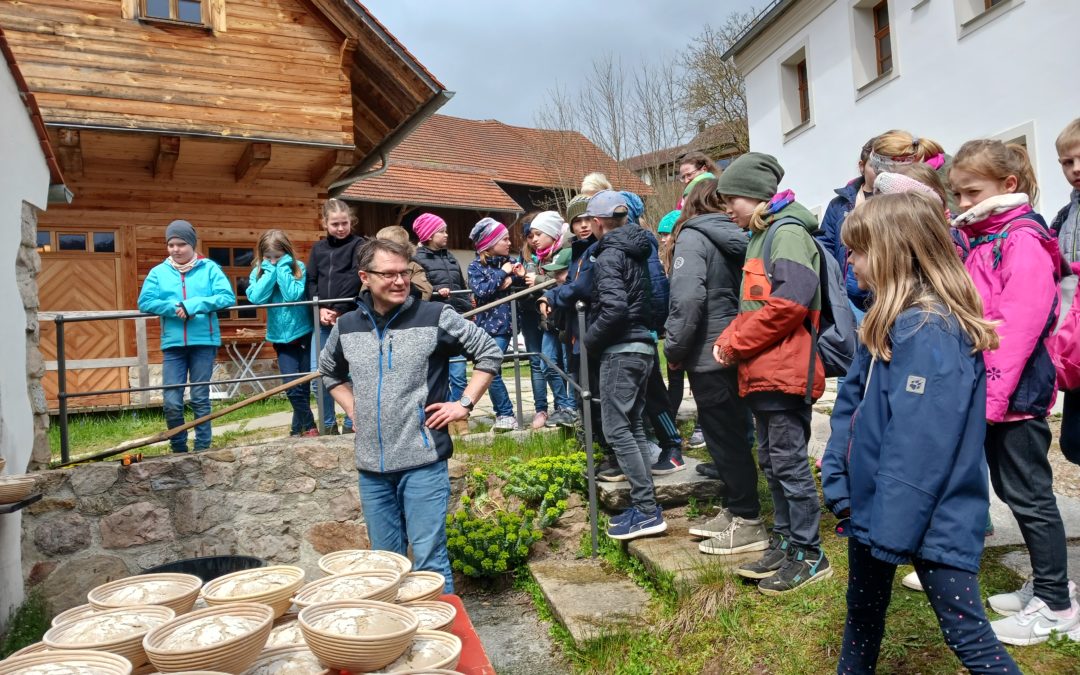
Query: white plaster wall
x,y
25,178
1014,70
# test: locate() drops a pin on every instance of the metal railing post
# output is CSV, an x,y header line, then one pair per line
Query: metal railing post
x,y
586,409
316,340
517,361
61,388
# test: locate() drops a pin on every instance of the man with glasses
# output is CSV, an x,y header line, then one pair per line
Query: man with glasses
x,y
399,348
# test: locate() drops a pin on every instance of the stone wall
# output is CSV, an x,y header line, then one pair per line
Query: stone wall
x,y
27,266
285,501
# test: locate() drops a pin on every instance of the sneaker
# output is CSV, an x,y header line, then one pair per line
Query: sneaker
x,y
1007,604
331,430
638,524
708,469
310,433
540,419
621,516
1034,624
767,565
912,581
715,526
563,417
670,461
612,475
697,439
802,567
742,536
504,424
347,430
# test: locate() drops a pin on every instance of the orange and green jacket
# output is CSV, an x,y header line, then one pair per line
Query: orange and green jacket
x,y
769,337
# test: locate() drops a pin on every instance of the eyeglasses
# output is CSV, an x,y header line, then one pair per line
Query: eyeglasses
x,y
391,277
687,176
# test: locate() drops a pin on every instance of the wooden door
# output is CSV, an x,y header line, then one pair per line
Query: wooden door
x,y
74,282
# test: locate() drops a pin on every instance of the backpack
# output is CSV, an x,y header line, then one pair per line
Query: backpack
x,y
657,292
836,340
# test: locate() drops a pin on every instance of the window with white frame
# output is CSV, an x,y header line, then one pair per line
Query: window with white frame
x,y
873,41
796,110
1023,134
973,14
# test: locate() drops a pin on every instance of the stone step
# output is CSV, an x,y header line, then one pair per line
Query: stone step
x,y
1007,532
1019,562
674,489
589,598
675,553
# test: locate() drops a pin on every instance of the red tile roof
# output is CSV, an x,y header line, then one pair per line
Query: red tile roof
x,y
458,163
712,140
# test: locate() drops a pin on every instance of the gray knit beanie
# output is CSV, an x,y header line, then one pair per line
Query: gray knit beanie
x,y
181,229
755,175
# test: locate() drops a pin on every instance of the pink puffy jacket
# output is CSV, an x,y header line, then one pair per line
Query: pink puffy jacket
x,y
1018,291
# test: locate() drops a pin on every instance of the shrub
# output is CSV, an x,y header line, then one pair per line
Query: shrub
x,y
489,546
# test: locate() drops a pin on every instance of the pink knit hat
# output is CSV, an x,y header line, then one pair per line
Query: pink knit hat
x,y
426,225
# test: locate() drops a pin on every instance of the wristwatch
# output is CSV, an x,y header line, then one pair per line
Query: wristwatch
x,y
466,402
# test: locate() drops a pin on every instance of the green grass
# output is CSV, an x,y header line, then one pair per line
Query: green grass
x,y
88,432
27,624
493,453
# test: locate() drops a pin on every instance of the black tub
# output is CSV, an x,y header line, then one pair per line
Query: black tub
x,y
210,567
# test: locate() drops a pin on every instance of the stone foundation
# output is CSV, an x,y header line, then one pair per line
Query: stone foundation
x,y
27,266
285,501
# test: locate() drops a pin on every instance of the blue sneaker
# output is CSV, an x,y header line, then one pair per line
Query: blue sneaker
x,y
621,516
637,525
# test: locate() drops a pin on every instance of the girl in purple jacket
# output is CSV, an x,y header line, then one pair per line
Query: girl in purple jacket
x,y
1014,263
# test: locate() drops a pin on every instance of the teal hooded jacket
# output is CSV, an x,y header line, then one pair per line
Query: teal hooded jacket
x,y
277,283
202,291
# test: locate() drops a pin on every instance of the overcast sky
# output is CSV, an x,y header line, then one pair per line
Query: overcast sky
x,y
501,58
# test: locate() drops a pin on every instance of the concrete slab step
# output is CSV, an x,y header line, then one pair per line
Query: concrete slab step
x,y
590,599
676,554
1007,532
674,489
1019,562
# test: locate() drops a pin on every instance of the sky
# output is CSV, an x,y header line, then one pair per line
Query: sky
x,y
502,58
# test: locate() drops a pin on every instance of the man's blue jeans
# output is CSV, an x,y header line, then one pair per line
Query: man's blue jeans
x,y
409,507
500,397
188,364
457,378
329,412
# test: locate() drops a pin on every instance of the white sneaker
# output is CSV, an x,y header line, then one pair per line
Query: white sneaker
x,y
912,581
504,424
1034,624
1008,604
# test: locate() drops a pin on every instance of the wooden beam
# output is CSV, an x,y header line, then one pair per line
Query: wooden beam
x,y
331,167
69,153
167,153
216,11
129,9
251,163
348,46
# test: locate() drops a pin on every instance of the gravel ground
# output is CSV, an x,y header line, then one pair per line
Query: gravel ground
x,y
515,639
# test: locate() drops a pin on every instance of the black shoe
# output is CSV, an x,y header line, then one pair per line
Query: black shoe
x,y
708,469
803,566
331,430
769,563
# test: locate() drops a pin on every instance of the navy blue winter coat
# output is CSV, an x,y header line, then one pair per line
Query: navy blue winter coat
x,y
829,235
906,452
484,280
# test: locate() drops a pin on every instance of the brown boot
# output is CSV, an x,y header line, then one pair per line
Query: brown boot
x,y
459,428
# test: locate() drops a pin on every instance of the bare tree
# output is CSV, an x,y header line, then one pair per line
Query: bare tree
x,y
714,90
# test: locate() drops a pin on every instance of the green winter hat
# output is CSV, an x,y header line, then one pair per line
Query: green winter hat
x,y
576,208
561,261
667,223
755,175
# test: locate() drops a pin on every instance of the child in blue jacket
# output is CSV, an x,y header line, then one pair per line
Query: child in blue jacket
x,y
905,468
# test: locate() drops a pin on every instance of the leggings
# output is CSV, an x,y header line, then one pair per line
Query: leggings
x,y
954,595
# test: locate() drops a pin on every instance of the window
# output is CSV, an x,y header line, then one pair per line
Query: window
x,y
183,11
882,41
796,111
972,15
1023,134
236,261
993,3
76,241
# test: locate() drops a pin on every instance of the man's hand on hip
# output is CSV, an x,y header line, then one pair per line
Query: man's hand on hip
x,y
441,414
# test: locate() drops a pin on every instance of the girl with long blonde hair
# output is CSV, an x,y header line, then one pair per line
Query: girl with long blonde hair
x,y
904,468
279,277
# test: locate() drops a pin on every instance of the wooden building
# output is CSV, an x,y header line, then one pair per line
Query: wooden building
x,y
237,115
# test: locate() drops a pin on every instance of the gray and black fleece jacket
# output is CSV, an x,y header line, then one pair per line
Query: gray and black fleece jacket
x,y
399,365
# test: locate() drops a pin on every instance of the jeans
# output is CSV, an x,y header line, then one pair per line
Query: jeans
x,y
457,378
188,364
1020,472
954,596
675,379
622,401
530,330
294,357
329,413
409,507
559,389
1070,426
500,398
726,424
782,438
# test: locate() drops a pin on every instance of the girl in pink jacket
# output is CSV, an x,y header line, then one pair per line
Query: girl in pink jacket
x,y
1014,262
